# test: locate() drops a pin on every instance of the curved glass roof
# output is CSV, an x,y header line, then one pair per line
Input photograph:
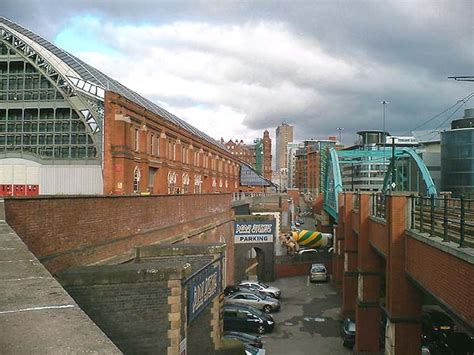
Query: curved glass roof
x,y
92,75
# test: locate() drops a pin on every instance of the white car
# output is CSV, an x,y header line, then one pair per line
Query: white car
x,y
266,289
305,251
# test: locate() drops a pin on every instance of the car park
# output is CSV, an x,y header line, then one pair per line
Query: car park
x,y
265,303
348,332
318,272
263,288
253,340
247,318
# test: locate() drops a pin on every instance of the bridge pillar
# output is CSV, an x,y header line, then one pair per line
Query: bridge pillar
x,y
338,256
367,313
404,300
349,279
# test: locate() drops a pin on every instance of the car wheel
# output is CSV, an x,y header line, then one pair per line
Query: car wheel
x,y
267,308
261,329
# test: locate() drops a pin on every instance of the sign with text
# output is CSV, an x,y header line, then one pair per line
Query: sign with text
x,y
254,232
203,288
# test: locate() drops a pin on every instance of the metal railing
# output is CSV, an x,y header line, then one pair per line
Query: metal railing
x,y
356,199
237,196
451,219
378,205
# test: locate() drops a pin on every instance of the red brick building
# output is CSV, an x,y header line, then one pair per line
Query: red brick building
x,y
258,154
66,128
144,152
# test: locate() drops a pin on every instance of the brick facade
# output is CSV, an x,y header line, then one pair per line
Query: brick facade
x,y
101,228
144,153
411,264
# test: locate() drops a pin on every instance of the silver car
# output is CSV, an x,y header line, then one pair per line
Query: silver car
x,y
263,288
267,304
318,272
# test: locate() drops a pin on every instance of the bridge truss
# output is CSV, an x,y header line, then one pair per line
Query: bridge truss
x,y
402,170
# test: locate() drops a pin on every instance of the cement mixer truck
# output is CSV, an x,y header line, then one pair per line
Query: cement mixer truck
x,y
311,239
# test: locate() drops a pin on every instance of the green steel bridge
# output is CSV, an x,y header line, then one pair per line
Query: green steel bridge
x,y
403,170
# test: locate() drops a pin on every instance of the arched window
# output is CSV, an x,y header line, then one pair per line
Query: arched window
x,y
197,184
171,182
185,189
136,180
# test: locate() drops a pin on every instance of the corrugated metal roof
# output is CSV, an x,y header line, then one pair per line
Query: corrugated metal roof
x,y
91,74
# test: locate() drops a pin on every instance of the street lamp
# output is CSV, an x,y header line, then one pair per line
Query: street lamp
x,y
384,103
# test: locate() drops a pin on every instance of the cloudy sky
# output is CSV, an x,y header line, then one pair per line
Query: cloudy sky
x,y
235,68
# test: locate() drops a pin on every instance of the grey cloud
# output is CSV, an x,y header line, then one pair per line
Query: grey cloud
x,y
425,41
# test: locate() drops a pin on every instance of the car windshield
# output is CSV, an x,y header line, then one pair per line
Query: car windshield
x,y
263,285
318,269
351,326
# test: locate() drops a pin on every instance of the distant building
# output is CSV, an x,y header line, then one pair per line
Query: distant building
x,y
457,156
430,151
311,164
368,176
284,135
258,154
291,162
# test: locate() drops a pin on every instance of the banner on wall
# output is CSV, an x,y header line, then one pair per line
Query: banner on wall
x,y
254,231
203,288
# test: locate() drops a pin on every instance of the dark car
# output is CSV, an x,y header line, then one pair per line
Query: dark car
x,y
246,318
254,340
348,332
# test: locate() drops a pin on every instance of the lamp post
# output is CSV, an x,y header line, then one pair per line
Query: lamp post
x,y
384,103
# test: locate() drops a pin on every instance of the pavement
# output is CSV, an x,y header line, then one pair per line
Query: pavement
x,y
309,319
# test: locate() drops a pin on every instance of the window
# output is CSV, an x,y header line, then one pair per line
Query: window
x,y
185,189
136,141
171,182
197,184
136,180
152,145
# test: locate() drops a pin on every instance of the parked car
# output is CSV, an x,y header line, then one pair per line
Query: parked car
x,y
265,303
348,332
307,251
318,272
254,340
301,220
263,288
247,318
252,350
297,224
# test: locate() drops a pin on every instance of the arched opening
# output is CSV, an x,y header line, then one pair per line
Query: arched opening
x,y
255,264
136,180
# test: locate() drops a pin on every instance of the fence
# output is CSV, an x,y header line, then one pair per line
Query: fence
x,y
451,219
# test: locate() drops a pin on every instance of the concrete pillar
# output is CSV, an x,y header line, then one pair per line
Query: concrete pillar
x,y
369,267
349,280
404,300
338,257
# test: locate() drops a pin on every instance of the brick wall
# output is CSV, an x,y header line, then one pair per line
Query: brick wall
x,y
129,304
289,266
72,231
438,271
378,235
